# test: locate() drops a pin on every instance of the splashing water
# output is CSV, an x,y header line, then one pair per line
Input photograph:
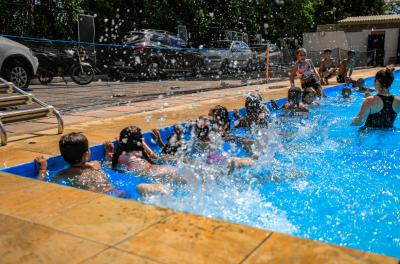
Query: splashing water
x,y
315,177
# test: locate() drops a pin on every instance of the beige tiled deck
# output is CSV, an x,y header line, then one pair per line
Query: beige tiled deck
x,y
48,223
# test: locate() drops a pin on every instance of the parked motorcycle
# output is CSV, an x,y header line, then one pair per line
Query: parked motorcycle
x,y
67,63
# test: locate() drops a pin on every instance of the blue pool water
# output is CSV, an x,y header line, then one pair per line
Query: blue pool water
x,y
316,177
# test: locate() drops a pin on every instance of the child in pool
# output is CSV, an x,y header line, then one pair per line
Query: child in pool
x,y
306,72
327,68
221,124
202,130
359,86
346,68
174,142
346,92
74,148
257,114
294,102
134,155
309,96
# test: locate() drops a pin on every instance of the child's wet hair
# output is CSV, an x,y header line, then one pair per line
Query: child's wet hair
x,y
295,93
130,139
253,103
327,50
385,77
351,52
73,146
219,115
202,127
346,92
301,50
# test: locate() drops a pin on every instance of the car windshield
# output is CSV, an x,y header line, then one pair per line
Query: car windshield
x,y
176,42
159,39
219,45
135,38
244,46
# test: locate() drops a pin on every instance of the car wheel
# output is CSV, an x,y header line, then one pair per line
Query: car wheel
x,y
250,66
18,74
197,70
153,71
44,78
225,67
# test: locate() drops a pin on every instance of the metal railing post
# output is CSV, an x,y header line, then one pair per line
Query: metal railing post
x,y
267,64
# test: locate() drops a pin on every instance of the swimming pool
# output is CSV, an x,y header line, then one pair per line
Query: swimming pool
x,y
317,178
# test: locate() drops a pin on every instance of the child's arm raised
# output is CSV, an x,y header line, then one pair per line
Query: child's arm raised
x,y
41,163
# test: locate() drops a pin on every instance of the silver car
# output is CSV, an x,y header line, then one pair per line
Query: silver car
x,y
225,55
18,64
275,55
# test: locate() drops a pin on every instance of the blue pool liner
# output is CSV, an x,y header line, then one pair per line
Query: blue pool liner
x,y
57,163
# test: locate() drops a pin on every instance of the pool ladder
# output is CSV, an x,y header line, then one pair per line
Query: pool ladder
x,y
23,98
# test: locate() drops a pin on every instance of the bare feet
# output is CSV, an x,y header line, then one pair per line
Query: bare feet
x,y
109,148
145,189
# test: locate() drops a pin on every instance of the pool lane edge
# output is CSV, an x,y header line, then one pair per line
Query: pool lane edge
x,y
36,215
185,244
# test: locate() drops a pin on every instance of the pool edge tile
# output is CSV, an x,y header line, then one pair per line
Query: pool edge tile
x,y
183,238
283,248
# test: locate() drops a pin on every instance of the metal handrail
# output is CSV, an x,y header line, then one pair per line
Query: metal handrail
x,y
45,107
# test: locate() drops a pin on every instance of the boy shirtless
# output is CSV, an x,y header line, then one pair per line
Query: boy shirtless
x,y
346,68
327,68
81,173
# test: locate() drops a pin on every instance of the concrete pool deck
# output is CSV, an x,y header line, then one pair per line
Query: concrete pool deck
x,y
50,223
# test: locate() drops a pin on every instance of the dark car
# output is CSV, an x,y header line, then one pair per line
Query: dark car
x,y
155,54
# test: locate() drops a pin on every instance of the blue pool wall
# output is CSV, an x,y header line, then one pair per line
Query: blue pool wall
x,y
56,163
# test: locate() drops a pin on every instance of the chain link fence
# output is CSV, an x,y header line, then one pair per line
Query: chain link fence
x,y
362,59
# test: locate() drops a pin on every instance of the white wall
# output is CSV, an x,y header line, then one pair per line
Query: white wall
x,y
357,41
318,41
391,39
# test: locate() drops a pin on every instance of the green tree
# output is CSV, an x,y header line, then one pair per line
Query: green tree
x,y
392,7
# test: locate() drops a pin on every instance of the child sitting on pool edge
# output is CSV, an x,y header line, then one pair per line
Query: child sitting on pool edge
x,y
306,72
346,68
327,68
81,173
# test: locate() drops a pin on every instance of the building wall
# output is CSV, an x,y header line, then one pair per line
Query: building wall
x,y
391,39
317,41
357,41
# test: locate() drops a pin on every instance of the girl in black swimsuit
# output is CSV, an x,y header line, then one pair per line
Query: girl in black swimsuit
x,y
380,111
